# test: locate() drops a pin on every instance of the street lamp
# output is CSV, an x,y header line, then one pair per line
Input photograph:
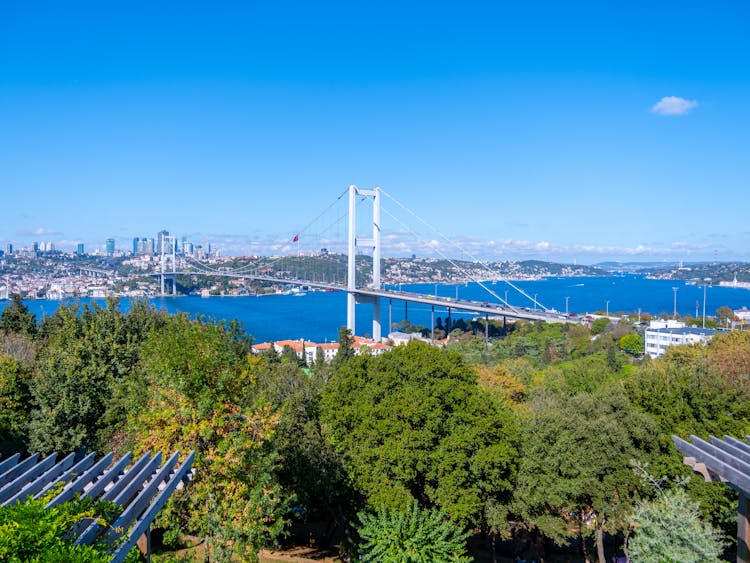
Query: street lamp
x,y
675,289
566,305
705,285
607,302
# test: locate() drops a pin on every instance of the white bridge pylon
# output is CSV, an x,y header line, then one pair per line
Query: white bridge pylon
x,y
372,243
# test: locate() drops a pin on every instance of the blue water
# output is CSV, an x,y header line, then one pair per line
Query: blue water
x,y
318,316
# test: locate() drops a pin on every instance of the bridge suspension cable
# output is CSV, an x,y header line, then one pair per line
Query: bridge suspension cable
x,y
476,260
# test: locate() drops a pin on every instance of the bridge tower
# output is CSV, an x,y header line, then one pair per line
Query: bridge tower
x,y
374,244
168,259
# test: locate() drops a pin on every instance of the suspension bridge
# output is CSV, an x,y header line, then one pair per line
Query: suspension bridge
x,y
363,240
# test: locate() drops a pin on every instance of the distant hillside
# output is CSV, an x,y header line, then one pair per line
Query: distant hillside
x,y
412,270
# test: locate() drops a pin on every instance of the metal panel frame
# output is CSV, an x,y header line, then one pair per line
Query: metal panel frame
x,y
141,490
727,461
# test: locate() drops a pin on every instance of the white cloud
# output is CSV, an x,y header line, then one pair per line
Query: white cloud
x,y
674,105
39,232
402,243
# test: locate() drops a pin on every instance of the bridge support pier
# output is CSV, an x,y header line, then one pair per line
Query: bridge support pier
x,y
390,315
432,326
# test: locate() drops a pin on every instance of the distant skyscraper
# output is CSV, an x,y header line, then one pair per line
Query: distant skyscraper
x,y
35,246
110,247
9,248
79,250
135,245
159,236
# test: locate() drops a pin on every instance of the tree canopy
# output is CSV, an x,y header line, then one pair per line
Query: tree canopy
x,y
414,424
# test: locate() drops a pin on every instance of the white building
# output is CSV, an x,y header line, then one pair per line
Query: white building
x,y
307,350
742,316
662,334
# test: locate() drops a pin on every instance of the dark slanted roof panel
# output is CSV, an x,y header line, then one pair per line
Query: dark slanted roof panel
x,y
725,460
140,489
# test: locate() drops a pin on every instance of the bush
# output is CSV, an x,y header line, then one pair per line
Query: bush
x,y
410,535
31,532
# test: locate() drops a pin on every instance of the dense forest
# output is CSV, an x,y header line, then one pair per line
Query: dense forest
x,y
550,439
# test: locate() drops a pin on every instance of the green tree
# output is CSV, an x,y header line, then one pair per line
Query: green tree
x,y
15,404
413,423
16,319
88,353
600,325
309,469
631,343
724,315
198,392
410,535
669,528
584,374
346,348
574,474
289,355
699,390
320,359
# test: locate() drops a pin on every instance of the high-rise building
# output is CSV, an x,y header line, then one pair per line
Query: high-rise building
x,y
35,246
9,248
79,249
159,236
110,247
135,245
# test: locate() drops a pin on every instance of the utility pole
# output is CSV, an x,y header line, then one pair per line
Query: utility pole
x,y
674,314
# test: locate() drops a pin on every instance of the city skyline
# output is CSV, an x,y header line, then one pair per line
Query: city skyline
x,y
594,134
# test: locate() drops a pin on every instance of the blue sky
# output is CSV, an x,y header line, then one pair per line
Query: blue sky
x,y
582,131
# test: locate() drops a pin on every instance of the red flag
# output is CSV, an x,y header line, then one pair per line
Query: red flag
x,y
296,238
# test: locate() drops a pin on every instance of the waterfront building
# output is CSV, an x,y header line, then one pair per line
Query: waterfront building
x,y
402,338
307,351
110,247
660,335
